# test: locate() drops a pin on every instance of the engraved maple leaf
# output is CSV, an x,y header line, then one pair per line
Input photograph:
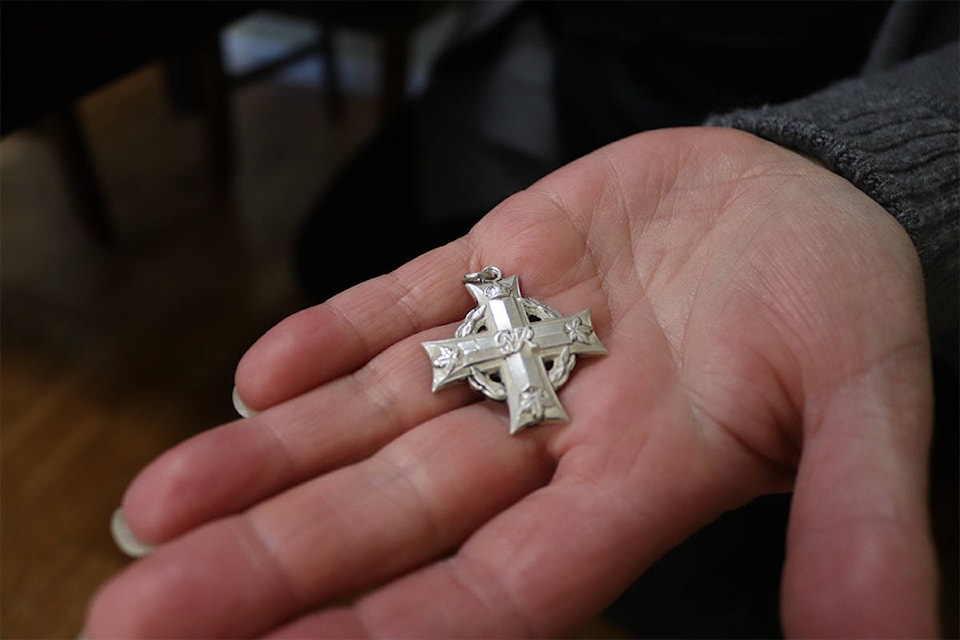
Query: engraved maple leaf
x,y
577,331
532,403
447,358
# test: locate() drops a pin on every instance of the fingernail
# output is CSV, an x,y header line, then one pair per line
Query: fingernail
x,y
82,635
125,539
242,409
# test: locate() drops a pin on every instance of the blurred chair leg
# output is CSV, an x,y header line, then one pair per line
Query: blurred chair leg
x,y
394,48
331,71
182,82
81,175
217,113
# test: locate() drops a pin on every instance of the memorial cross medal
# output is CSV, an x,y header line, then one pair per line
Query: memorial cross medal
x,y
514,349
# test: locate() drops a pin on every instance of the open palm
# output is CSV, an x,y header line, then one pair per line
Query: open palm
x,y
765,328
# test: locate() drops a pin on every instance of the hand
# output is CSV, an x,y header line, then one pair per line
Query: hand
x,y
765,327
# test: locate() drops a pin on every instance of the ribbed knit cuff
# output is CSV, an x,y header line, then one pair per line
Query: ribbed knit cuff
x,y
896,136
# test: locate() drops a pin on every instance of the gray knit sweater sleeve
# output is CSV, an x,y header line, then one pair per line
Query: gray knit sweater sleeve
x,y
894,134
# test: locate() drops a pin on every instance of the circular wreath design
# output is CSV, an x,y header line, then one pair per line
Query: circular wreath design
x,y
558,367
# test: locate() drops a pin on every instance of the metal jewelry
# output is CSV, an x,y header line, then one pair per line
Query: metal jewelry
x,y
514,349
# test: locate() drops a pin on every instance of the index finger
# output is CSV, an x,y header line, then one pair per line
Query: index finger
x,y
326,341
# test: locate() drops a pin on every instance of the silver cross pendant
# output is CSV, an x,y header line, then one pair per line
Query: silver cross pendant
x,y
514,349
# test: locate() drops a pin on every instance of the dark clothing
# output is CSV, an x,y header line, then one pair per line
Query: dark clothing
x,y
628,67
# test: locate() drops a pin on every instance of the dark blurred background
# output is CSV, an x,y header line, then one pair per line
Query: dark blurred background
x,y
177,177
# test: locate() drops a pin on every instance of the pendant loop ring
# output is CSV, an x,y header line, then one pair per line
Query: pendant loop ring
x,y
487,274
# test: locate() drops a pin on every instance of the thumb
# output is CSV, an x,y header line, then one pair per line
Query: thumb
x,y
860,557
